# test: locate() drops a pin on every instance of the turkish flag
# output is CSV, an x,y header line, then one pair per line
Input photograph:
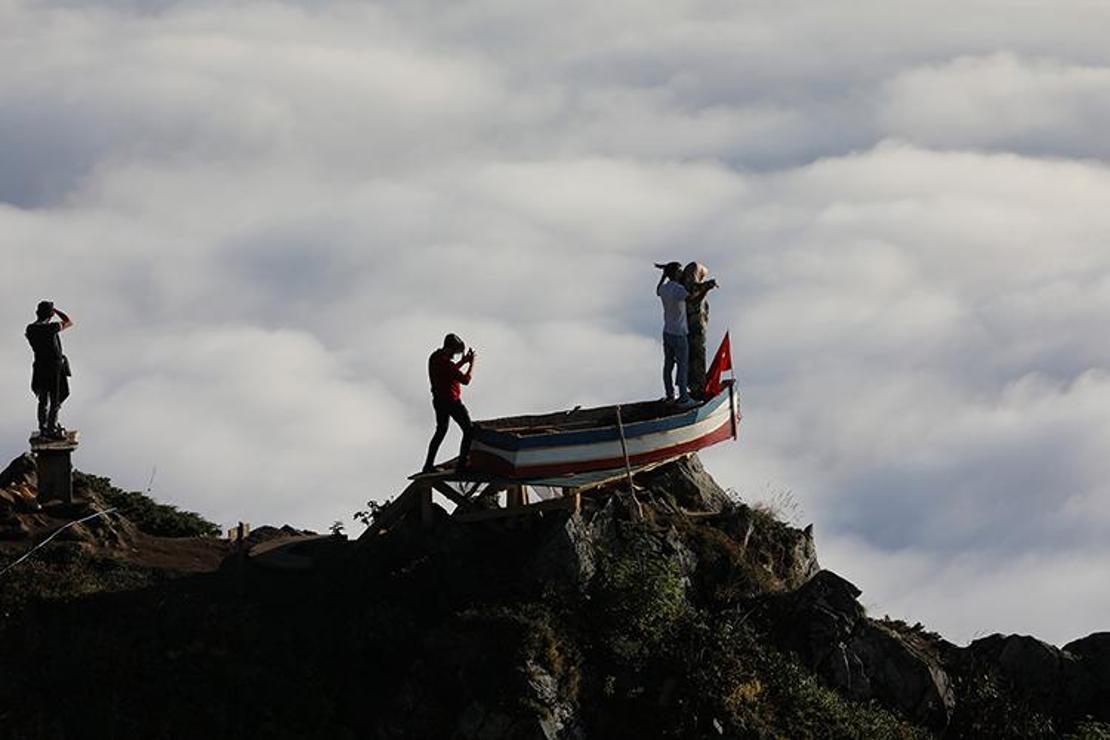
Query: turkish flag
x,y
721,361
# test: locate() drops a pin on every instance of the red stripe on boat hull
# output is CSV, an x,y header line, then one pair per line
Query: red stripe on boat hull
x,y
489,463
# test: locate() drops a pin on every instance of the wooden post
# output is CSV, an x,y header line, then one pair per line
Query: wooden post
x,y
516,496
637,511
732,406
54,466
426,512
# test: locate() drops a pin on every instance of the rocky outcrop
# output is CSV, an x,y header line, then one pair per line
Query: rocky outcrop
x,y
686,484
824,624
566,553
19,487
1093,652
1070,683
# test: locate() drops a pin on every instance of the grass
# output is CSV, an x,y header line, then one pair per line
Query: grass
x,y
161,520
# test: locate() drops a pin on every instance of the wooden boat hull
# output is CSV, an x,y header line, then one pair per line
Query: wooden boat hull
x,y
499,452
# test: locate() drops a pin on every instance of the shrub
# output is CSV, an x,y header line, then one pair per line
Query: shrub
x,y
161,520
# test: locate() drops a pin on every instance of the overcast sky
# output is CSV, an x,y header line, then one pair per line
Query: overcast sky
x,y
264,215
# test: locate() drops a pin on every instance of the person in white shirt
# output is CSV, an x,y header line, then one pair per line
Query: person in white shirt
x,y
676,352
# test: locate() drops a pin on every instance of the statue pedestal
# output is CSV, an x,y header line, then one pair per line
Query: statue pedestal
x,y
54,465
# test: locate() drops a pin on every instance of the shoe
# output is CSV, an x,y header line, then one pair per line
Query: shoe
x,y
686,403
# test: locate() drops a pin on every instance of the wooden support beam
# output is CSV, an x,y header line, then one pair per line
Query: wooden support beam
x,y
426,511
396,509
555,504
491,490
451,494
516,498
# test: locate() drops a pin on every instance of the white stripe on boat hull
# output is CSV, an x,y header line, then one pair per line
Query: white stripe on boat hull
x,y
539,456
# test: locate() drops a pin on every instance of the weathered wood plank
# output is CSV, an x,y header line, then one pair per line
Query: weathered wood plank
x,y
555,504
450,493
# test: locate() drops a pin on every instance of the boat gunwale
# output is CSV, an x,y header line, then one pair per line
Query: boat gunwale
x,y
512,440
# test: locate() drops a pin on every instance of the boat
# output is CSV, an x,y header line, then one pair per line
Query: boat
x,y
603,438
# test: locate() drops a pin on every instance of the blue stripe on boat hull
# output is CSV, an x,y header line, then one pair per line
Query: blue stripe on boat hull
x,y
512,442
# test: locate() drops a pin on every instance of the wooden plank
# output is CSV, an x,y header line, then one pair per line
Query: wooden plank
x,y
555,504
490,490
624,451
395,510
517,497
450,493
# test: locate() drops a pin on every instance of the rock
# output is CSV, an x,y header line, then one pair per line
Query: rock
x,y
1093,651
566,553
898,674
800,563
19,486
13,528
21,471
1052,681
266,533
687,484
824,624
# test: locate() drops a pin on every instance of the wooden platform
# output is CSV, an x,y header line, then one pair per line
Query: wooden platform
x,y
477,497
54,466
68,443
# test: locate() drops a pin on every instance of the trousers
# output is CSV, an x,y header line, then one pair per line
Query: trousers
x,y
676,352
447,409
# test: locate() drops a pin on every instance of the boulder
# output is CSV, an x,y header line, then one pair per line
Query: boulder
x,y
19,486
1051,681
1093,651
824,624
20,471
566,553
686,484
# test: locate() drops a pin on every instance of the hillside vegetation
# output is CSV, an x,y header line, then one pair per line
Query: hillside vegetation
x,y
705,619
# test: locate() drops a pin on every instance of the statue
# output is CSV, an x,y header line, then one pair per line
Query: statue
x,y
50,373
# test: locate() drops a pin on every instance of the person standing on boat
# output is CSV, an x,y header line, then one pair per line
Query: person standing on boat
x,y
50,373
697,323
447,378
676,352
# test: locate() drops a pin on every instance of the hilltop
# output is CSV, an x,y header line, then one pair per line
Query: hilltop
x,y
707,617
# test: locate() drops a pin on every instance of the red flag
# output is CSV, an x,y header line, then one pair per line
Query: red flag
x,y
721,361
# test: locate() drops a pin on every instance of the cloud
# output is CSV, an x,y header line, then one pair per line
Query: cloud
x,y
264,215
1003,102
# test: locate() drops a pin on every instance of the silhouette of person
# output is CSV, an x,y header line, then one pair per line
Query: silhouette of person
x,y
676,349
50,372
697,324
447,378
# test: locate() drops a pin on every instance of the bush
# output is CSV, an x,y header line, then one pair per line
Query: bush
x,y
161,520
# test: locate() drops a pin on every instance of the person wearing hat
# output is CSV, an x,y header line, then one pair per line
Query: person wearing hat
x,y
50,372
697,324
447,378
676,351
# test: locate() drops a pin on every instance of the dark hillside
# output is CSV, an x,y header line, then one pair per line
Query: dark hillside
x,y
706,619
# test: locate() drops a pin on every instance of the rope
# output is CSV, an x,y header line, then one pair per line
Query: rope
x,y
639,515
56,532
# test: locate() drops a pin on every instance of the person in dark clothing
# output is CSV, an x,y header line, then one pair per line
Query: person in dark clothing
x,y
50,373
447,378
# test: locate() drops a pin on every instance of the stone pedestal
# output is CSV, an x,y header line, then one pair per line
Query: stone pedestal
x,y
54,466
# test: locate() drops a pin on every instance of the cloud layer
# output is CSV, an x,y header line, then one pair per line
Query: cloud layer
x,y
264,215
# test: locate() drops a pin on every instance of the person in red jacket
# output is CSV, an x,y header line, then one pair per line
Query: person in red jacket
x,y
447,378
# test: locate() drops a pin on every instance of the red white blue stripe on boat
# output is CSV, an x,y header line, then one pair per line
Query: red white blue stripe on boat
x,y
561,453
